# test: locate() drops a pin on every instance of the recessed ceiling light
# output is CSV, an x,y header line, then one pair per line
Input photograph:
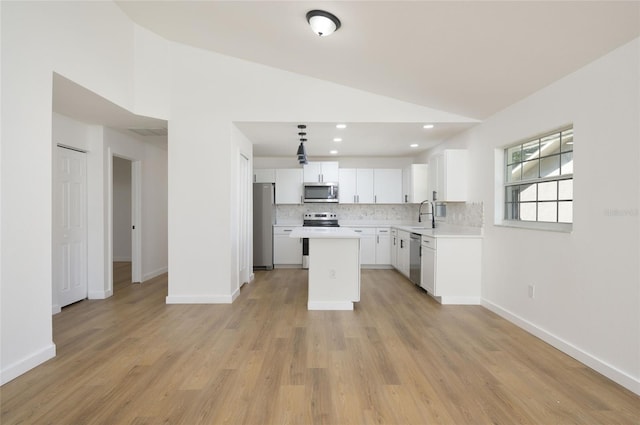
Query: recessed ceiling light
x,y
333,152
337,140
341,126
414,145
427,126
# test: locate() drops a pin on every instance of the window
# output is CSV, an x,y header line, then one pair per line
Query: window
x,y
539,179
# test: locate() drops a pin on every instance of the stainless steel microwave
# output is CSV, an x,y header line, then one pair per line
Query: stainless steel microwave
x,y
320,192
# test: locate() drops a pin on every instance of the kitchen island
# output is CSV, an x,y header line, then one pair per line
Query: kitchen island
x,y
334,267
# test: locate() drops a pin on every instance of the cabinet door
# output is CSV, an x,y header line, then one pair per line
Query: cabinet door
x,y
383,246
394,248
364,185
287,250
428,275
414,183
347,186
264,175
387,186
288,186
448,172
330,172
312,172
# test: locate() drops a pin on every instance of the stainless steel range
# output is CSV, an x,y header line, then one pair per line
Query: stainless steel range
x,y
318,219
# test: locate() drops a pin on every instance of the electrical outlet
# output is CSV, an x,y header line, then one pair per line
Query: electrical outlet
x,y
532,291
332,274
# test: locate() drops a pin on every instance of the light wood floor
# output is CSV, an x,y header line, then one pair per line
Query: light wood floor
x,y
399,358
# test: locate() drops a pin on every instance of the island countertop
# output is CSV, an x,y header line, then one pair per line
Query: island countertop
x,y
324,233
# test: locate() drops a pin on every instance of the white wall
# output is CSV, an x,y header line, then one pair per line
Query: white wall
x,y
121,209
587,299
344,162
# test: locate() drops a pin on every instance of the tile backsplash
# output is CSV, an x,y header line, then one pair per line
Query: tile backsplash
x,y
459,214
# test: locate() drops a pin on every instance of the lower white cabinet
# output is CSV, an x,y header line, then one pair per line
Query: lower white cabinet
x,y
394,248
404,256
367,244
286,251
451,269
383,246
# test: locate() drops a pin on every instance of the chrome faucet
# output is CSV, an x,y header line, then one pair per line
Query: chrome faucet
x,y
433,215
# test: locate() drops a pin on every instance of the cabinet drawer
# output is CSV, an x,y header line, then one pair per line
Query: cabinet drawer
x,y
383,231
429,242
364,230
282,230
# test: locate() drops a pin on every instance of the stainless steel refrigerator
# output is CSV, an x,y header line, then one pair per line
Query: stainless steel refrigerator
x,y
264,217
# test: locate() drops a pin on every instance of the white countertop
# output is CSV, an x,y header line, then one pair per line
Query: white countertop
x,y
324,233
442,230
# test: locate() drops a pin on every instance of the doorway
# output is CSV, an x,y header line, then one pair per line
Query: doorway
x,y
122,221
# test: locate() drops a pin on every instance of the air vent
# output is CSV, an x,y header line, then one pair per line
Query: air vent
x,y
149,131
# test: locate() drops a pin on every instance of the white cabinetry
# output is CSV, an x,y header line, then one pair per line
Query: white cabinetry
x,y
286,251
383,246
265,175
367,244
448,173
394,248
403,252
355,185
321,171
451,269
387,185
288,186
415,188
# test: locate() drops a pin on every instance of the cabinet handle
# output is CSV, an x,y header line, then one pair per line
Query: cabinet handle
x,y
354,199
377,239
254,178
358,198
357,231
406,198
302,200
375,199
288,230
401,244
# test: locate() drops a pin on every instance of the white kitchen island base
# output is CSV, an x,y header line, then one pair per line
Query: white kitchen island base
x,y
334,267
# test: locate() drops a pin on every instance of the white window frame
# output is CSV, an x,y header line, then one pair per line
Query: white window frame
x,y
502,184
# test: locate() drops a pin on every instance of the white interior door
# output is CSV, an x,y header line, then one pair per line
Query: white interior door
x,y
70,226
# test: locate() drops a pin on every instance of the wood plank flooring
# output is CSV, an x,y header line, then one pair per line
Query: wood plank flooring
x,y
398,358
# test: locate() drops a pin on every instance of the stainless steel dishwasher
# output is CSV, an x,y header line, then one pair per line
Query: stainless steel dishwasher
x,y
414,256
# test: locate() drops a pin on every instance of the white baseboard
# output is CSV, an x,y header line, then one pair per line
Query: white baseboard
x,y
235,295
446,300
122,259
329,305
22,366
629,382
55,309
252,277
199,299
154,273
100,295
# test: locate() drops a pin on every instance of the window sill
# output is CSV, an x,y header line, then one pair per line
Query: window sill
x,y
536,225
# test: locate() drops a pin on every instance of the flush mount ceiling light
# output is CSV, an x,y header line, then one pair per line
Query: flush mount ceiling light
x,y
322,23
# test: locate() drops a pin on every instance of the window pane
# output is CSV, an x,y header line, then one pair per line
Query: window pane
x,y
527,192
565,189
567,140
511,211
528,211
550,145
530,169
514,173
548,191
548,211
512,194
531,150
514,154
567,163
550,166
565,212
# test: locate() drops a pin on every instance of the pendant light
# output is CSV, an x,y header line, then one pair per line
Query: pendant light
x,y
323,23
302,153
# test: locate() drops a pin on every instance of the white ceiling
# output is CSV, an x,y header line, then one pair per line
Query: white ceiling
x,y
470,58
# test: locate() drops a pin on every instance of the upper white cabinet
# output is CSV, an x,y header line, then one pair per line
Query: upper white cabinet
x,y
288,186
387,185
448,173
355,186
321,171
266,175
415,188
